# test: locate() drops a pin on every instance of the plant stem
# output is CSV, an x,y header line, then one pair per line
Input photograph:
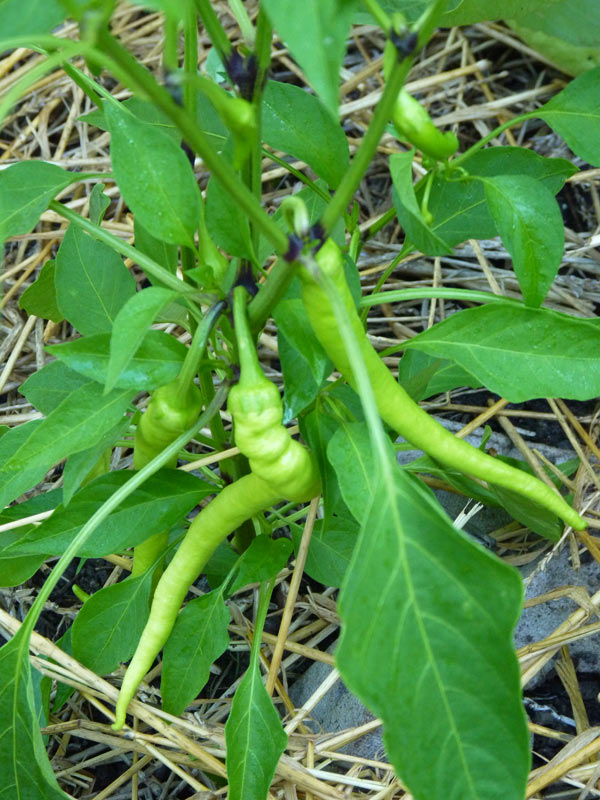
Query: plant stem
x,y
251,372
298,174
444,293
270,293
243,20
148,265
496,132
364,155
197,347
190,62
377,12
382,115
134,75
214,29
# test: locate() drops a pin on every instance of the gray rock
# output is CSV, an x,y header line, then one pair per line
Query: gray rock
x,y
338,710
541,620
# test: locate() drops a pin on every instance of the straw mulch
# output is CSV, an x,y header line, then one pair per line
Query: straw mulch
x,y
474,79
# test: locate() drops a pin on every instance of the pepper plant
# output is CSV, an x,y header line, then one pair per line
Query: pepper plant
x,y
427,614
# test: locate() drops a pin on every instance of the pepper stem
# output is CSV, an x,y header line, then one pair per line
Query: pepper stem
x,y
250,369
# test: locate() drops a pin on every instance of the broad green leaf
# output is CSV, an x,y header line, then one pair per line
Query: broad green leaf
x,y
304,363
407,208
40,297
154,176
48,387
253,734
163,253
350,453
255,739
79,465
99,202
440,619
260,562
108,627
15,569
26,189
35,16
156,361
520,353
226,222
78,422
199,637
222,561
315,33
130,328
297,123
92,282
26,771
424,376
566,33
163,500
468,12
458,12
459,207
530,224
330,550
144,111
574,113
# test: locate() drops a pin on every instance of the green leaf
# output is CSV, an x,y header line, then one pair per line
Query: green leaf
x,y
350,453
164,499
253,734
92,282
407,208
304,363
15,569
574,114
144,111
297,123
226,222
459,207
566,33
49,386
315,33
130,328
330,550
157,360
35,16
78,465
260,562
99,202
468,12
108,627
163,253
423,375
78,422
199,637
40,298
441,620
529,221
520,353
222,561
26,189
154,176
26,771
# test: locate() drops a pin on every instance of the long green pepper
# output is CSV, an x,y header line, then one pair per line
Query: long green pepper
x,y
281,468
395,405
